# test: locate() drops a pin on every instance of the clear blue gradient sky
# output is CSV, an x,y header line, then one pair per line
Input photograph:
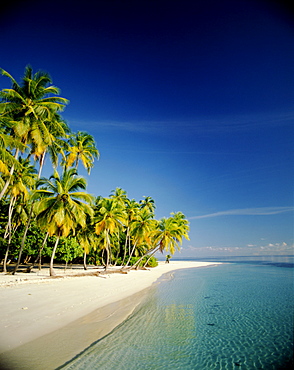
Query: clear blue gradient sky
x,y
190,102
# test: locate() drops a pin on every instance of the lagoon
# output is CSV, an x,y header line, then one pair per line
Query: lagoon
x,y
235,315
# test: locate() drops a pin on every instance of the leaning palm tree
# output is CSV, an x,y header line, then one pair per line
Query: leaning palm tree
x,y
168,236
171,232
81,147
32,110
141,229
61,206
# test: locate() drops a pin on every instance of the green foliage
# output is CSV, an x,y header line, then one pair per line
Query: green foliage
x,y
68,249
14,245
151,263
60,206
33,241
119,261
114,230
82,147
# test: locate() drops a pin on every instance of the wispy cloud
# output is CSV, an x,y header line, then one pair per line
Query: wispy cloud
x,y
201,125
262,211
270,248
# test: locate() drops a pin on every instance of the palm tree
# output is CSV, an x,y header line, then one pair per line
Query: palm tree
x,y
38,259
54,149
148,203
182,223
132,210
58,148
7,144
120,196
57,145
31,113
62,207
32,110
17,216
171,232
169,235
23,180
109,219
141,229
87,239
81,147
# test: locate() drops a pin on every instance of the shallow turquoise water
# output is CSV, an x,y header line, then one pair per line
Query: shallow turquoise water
x,y
225,317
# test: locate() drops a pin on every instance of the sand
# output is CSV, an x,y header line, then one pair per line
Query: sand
x,y
45,322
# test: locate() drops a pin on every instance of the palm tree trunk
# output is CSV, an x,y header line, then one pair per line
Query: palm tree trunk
x,y
23,240
117,255
153,250
107,259
40,258
125,250
102,258
52,272
131,254
4,269
24,237
8,232
42,159
85,260
25,234
10,175
7,182
152,254
129,244
108,250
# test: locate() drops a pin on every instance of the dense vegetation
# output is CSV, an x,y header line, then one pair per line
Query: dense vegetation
x,y
47,218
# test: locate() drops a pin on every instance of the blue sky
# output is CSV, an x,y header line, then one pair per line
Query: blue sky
x,y
190,102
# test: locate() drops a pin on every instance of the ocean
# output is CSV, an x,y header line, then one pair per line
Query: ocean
x,y
235,315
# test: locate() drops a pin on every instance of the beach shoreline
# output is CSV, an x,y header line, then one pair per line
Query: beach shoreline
x,y
55,319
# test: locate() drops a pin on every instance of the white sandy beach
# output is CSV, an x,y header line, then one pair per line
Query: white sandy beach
x,y
45,322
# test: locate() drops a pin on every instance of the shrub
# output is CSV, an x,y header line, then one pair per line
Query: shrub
x,y
151,263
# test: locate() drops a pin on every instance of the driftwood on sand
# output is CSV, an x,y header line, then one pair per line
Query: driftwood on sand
x,y
90,273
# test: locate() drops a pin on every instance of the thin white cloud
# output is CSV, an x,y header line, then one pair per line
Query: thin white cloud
x,y
262,211
200,125
250,248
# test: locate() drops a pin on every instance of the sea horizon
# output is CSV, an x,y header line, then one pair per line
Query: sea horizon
x,y
286,260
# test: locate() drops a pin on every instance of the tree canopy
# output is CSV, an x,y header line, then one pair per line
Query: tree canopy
x,y
56,216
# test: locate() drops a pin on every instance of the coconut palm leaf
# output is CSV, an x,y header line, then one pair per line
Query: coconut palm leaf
x,y
61,209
